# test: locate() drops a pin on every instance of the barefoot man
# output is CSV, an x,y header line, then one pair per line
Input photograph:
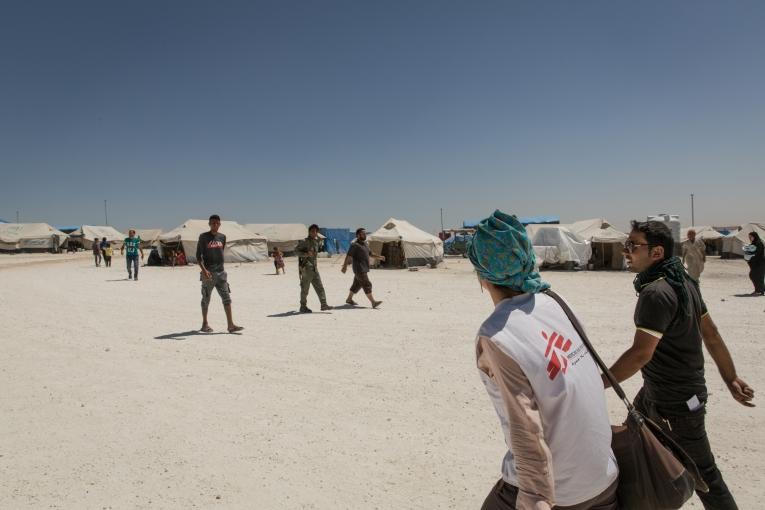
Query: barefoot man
x,y
210,259
358,256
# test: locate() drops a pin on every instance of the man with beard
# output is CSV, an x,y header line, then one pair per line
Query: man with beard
x,y
358,256
672,322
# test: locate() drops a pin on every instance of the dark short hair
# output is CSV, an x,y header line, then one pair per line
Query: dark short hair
x,y
359,230
314,226
213,217
656,234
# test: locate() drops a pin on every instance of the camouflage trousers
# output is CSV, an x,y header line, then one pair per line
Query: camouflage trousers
x,y
310,276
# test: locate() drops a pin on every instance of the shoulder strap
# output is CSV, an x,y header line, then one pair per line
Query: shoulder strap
x,y
579,329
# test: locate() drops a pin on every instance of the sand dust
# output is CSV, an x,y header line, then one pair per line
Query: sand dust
x,y
110,399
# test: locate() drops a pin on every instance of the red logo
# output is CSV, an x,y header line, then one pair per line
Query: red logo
x,y
558,363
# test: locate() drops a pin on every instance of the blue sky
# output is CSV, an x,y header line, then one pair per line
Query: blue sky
x,y
347,112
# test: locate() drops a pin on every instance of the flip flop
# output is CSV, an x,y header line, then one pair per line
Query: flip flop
x,y
235,329
206,329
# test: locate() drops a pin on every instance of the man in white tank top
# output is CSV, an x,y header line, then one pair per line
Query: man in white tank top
x,y
545,386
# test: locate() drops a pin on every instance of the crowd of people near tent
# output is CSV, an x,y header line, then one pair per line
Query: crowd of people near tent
x,y
583,245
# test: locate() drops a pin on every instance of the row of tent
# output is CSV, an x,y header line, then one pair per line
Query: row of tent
x,y
590,243
402,243
596,244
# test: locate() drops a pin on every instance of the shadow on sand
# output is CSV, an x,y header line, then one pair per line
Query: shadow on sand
x,y
350,307
747,295
194,332
295,312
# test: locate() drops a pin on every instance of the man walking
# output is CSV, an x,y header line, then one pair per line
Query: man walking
x,y
97,251
210,248
671,323
309,269
358,255
694,255
133,246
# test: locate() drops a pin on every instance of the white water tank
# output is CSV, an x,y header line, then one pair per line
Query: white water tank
x,y
673,222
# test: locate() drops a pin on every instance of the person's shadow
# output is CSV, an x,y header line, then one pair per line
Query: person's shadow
x,y
194,332
295,312
349,307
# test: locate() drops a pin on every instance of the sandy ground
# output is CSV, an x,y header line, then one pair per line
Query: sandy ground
x,y
111,400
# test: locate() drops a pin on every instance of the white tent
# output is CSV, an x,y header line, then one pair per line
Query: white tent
x,y
606,242
86,233
404,244
241,244
556,245
704,233
734,242
149,236
284,236
30,236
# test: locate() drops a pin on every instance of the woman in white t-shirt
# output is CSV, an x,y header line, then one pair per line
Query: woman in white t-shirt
x,y
545,386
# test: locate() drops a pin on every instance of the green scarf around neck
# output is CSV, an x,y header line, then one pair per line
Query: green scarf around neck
x,y
673,271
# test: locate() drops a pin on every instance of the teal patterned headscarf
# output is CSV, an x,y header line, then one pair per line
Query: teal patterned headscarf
x,y
502,254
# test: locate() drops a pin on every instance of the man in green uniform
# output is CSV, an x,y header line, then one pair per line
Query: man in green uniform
x,y
309,269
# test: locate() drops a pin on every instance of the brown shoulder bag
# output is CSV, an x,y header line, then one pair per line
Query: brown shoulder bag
x,y
655,473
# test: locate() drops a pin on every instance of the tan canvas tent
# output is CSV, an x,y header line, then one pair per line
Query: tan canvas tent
x,y
149,236
30,237
711,237
86,233
734,243
557,246
705,233
405,245
605,241
284,236
241,244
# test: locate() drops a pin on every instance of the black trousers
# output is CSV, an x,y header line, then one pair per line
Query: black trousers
x,y
757,275
688,429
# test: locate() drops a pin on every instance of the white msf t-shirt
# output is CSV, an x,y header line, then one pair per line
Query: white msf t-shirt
x,y
557,378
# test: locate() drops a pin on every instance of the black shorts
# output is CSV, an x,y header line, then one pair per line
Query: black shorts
x,y
361,281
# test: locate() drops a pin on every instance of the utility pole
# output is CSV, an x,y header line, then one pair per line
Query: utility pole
x,y
442,222
17,216
693,217
106,218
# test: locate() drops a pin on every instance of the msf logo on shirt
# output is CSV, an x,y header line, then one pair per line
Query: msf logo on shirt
x,y
557,347
215,244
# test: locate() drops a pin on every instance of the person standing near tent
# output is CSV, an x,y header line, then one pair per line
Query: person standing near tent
x,y
542,381
133,246
358,255
278,260
755,257
694,255
672,323
97,251
309,269
210,255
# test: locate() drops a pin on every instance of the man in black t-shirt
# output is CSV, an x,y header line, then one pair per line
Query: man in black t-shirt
x,y
358,256
210,248
672,322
